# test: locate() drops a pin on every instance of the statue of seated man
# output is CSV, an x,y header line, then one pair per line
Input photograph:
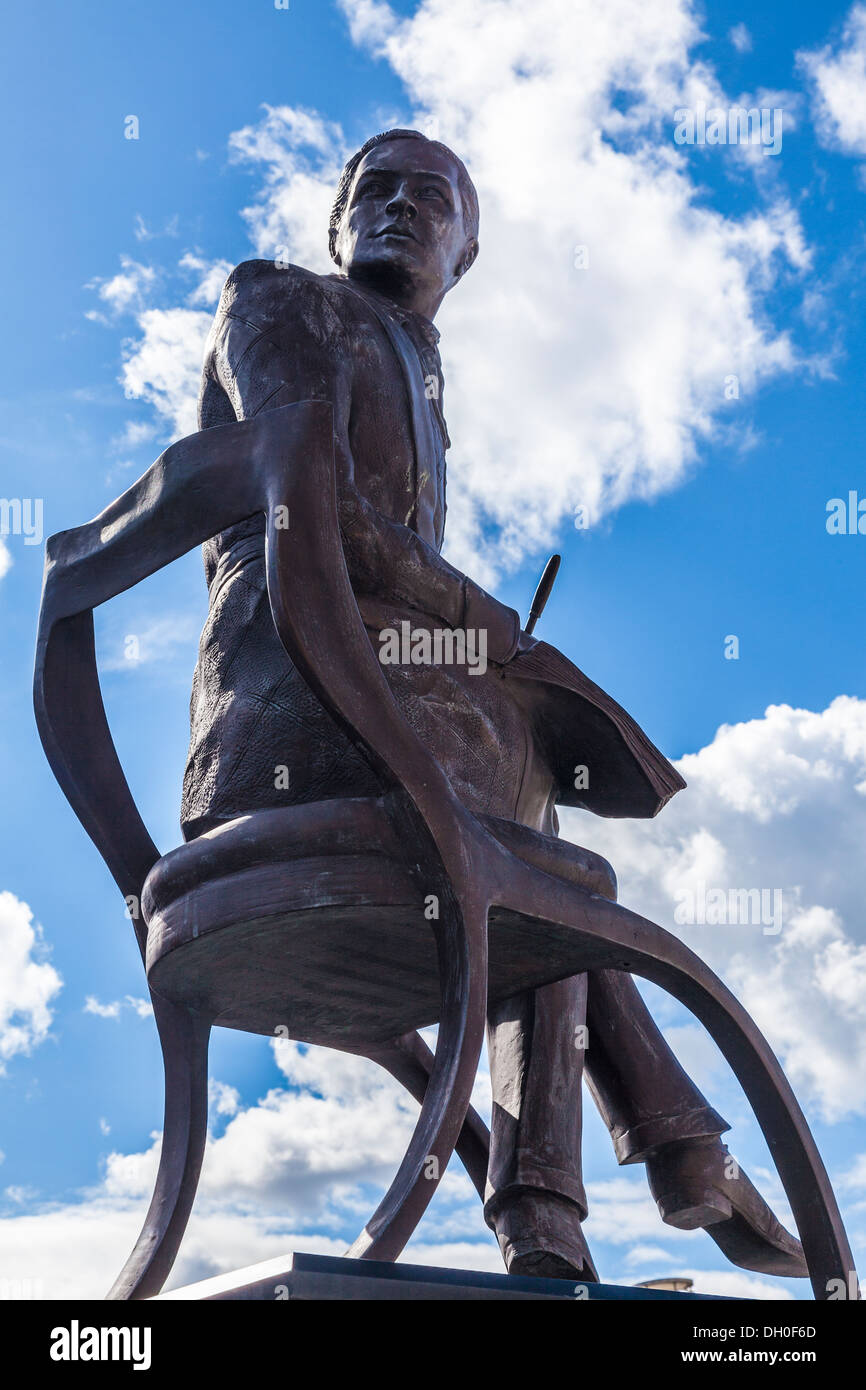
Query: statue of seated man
x,y
404,231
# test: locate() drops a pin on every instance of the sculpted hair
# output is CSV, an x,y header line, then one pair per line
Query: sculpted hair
x,y
468,195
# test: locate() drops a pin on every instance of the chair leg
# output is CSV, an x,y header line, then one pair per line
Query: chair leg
x,y
643,948
184,1037
409,1060
461,940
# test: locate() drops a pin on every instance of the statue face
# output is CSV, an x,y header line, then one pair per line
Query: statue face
x,y
403,225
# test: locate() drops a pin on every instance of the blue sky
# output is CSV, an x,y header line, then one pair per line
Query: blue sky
x,y
602,386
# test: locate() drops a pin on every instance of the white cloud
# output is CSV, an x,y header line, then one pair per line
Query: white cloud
x,y
125,291
640,1255
211,278
142,232
302,1169
142,1007
101,1232
774,803
134,433
223,1099
19,1195
566,387
777,801
735,1283
93,1006
837,73
855,1178
289,1173
163,367
150,640
28,983
5,558
300,155
740,38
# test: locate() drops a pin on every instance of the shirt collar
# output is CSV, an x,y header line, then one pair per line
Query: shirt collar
x,y
423,326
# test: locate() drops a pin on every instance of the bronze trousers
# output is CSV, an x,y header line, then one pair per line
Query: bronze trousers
x,y
541,1043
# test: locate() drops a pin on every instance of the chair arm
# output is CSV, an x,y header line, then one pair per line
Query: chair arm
x,y
199,487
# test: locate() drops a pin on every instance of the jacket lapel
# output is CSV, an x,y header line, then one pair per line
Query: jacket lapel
x,y
426,446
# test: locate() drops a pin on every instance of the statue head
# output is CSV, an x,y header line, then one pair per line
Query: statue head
x,y
405,219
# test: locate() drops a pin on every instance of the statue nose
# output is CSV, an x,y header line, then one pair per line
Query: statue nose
x,y
401,206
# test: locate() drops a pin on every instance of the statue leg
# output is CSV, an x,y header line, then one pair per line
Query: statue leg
x,y
535,1195
657,1115
184,1037
644,1096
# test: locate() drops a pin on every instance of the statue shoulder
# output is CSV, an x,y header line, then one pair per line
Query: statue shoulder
x,y
261,291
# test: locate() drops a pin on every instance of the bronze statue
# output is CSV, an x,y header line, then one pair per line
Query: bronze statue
x,y
404,231
376,756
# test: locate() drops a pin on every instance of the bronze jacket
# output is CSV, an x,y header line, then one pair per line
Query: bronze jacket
x,y
510,738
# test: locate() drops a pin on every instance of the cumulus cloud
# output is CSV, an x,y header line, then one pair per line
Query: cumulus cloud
x,y
125,291
855,1178
153,640
735,1283
211,276
578,372
302,1169
579,375
777,803
134,434
299,155
101,1232
162,365
223,1099
93,1006
142,1007
837,74
28,983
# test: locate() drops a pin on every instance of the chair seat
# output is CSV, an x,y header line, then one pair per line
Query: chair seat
x,y
315,919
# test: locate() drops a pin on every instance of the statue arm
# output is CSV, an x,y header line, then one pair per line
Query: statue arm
x,y
198,487
388,560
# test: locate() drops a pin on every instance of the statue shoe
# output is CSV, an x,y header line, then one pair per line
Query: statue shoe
x,y
540,1235
696,1182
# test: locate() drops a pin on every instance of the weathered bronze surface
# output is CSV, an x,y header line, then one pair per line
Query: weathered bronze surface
x,y
371,847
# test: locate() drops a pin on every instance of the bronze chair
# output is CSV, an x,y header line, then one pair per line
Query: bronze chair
x,y
314,915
